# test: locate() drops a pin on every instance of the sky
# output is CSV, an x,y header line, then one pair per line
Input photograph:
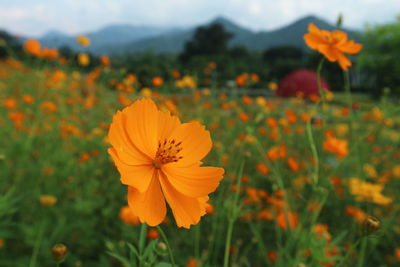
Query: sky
x,y
33,18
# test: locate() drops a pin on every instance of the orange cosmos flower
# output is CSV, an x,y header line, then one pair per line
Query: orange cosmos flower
x,y
191,262
293,164
48,106
83,40
262,168
397,253
332,45
17,117
276,152
158,158
126,215
32,47
336,146
247,100
290,218
244,117
241,80
157,81
153,234
254,77
48,53
83,59
28,99
10,103
104,60
176,74
272,256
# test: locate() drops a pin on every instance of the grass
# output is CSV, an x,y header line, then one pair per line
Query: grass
x,y
57,145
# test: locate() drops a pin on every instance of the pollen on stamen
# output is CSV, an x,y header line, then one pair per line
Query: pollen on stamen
x,y
167,152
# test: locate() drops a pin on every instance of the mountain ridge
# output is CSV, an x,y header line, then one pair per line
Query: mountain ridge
x,y
126,38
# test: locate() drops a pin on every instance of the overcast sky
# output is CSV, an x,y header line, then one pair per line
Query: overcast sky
x,y
35,17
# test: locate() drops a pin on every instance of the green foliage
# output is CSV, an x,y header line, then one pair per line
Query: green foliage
x,y
379,59
283,60
207,40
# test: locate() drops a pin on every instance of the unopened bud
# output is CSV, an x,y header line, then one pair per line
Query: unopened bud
x,y
48,200
339,21
59,251
371,224
162,246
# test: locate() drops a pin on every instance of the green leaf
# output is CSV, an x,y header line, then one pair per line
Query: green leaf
x,y
163,264
120,258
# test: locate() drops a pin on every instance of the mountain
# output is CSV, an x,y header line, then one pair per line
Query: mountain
x,y
291,34
121,39
106,39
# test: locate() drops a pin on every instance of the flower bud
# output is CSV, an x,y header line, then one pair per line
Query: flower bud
x,y
162,246
48,200
371,224
59,251
339,21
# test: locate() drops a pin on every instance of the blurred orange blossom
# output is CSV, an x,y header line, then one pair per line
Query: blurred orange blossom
x,y
32,47
332,45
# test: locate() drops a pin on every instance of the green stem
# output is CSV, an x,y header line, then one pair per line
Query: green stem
x,y
362,252
319,69
142,242
314,152
260,243
171,256
37,245
353,121
197,241
228,242
347,88
348,253
233,216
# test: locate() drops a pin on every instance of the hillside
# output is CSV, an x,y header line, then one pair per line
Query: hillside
x,y
122,39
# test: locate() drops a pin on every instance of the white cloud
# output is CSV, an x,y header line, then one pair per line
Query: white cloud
x,y
76,16
255,8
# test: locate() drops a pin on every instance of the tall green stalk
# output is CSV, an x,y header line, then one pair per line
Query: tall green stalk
x,y
142,242
233,216
349,97
171,255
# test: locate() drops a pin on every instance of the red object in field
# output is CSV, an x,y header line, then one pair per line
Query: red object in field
x,y
302,82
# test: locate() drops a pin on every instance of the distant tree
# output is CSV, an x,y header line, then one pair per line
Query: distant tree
x,y
8,40
379,59
282,60
66,51
207,40
274,54
239,52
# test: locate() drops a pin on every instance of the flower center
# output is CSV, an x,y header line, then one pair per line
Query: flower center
x,y
167,152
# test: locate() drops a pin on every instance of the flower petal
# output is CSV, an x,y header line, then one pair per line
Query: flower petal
x,y
141,123
187,210
331,53
119,139
148,206
313,40
137,176
339,37
195,181
315,37
167,124
196,142
344,62
312,28
350,47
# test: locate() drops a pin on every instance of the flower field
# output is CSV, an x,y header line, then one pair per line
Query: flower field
x,y
237,180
